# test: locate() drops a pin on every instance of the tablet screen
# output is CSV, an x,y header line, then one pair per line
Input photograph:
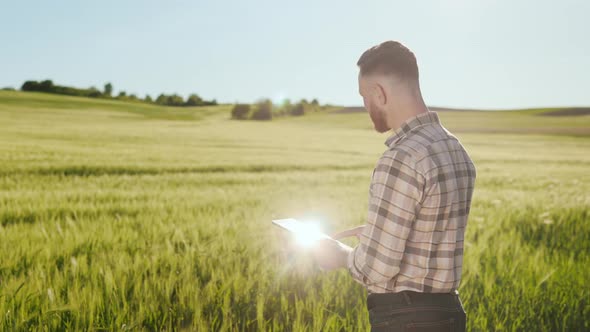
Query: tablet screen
x,y
306,233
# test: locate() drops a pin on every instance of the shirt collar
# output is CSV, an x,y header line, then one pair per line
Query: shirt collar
x,y
411,124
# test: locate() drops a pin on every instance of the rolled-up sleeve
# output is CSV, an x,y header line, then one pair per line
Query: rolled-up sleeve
x,y
395,194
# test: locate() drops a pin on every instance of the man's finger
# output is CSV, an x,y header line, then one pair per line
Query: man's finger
x,y
344,234
348,233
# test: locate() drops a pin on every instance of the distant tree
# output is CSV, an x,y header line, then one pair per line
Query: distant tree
x,y
161,99
30,86
208,103
297,109
108,89
170,100
263,110
194,100
284,108
8,88
93,92
240,111
46,85
174,100
314,105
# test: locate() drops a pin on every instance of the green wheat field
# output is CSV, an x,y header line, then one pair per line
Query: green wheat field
x,y
122,216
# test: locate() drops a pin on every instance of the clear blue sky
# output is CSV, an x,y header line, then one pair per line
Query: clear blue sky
x,y
485,54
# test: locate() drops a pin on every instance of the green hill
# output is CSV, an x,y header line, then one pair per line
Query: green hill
x,y
560,121
37,101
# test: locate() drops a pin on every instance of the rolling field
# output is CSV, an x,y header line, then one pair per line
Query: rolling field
x,y
123,216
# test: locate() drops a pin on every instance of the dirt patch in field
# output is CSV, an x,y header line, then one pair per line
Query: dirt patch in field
x,y
570,111
564,131
573,111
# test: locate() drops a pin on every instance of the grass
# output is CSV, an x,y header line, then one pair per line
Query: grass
x,y
124,216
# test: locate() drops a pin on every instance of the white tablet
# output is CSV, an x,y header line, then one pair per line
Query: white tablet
x,y
306,233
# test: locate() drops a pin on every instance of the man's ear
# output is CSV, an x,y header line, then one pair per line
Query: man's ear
x,y
380,95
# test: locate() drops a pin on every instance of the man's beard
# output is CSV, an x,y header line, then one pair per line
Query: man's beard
x,y
378,118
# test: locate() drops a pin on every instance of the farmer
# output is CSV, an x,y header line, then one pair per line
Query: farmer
x,y
410,250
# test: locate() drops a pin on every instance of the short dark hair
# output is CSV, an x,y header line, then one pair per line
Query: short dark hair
x,y
389,58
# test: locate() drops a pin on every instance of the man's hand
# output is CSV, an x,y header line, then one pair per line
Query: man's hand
x,y
331,254
356,231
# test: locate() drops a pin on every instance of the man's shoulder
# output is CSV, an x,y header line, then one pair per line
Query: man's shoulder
x,y
420,146
418,143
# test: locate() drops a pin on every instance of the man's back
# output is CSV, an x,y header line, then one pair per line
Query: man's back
x,y
434,248
419,202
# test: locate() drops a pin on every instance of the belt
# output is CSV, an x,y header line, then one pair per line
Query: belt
x,y
405,298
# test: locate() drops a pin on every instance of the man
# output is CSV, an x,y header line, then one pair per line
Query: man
x,y
410,250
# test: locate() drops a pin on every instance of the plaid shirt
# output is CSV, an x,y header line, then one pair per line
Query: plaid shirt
x,y
419,201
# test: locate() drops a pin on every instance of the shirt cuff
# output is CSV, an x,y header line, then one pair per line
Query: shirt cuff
x,y
354,272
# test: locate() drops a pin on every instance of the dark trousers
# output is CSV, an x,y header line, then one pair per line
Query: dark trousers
x,y
412,311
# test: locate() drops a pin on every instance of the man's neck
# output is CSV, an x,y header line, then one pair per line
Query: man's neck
x,y
404,111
